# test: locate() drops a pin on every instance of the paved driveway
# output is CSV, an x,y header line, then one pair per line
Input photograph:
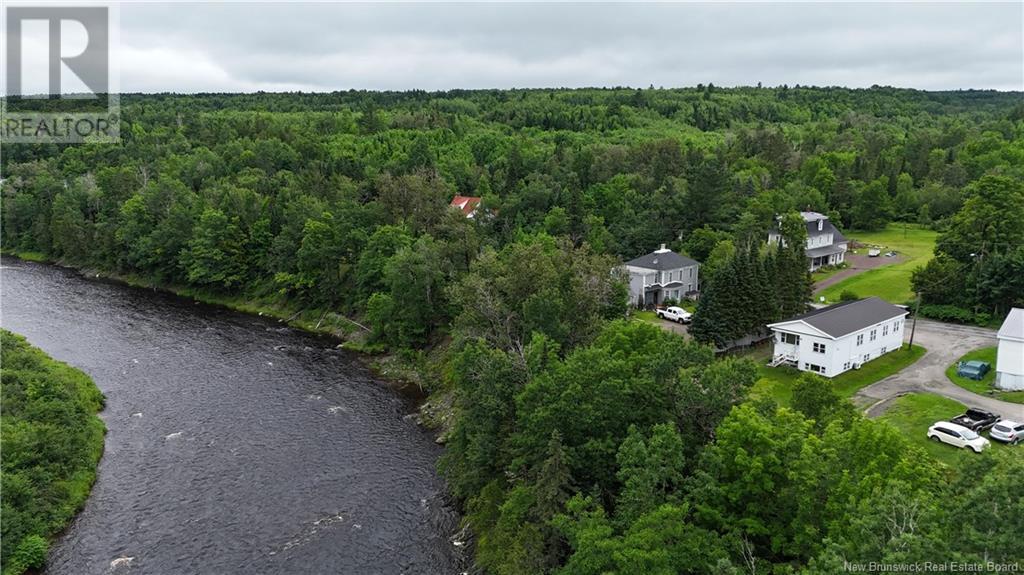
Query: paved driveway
x,y
945,343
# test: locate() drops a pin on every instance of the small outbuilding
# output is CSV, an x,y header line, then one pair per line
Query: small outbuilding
x,y
1010,354
840,337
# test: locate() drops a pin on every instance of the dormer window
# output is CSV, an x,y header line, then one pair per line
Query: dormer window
x,y
821,225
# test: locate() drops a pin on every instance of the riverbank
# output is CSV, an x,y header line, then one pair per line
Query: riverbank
x,y
53,443
401,372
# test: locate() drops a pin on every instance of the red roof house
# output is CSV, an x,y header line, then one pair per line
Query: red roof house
x,y
467,204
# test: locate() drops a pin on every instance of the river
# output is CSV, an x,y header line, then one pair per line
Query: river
x,y
235,444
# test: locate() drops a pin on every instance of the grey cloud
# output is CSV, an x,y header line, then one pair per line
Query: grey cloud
x,y
230,46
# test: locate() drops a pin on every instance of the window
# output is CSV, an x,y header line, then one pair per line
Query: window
x,y
846,366
895,326
691,274
874,333
790,338
819,348
860,339
867,357
885,330
814,368
883,349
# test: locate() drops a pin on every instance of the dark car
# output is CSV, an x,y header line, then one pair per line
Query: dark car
x,y
976,420
975,370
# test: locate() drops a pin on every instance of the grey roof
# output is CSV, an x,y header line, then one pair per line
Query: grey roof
x,y
851,316
822,251
812,216
1013,326
662,260
826,228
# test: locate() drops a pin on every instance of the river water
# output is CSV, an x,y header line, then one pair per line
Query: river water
x,y
235,445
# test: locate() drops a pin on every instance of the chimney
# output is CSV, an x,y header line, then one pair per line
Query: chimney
x,y
662,247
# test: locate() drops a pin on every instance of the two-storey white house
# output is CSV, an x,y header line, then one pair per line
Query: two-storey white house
x,y
825,244
839,337
1010,353
662,275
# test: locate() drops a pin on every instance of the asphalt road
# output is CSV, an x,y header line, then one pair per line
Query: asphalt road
x,y
945,343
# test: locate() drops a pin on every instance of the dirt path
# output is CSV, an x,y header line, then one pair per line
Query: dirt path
x,y
857,264
945,343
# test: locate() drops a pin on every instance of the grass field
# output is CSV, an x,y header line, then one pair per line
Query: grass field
x,y
778,382
892,282
984,386
914,413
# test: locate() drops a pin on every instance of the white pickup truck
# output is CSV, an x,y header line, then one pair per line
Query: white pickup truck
x,y
676,314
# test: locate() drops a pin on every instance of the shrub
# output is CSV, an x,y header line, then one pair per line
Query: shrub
x,y
848,295
950,313
30,554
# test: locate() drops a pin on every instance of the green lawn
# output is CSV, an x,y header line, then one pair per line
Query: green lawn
x,y
647,316
777,382
823,273
890,282
914,413
983,387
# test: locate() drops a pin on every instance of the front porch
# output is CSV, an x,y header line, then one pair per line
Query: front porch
x,y
827,256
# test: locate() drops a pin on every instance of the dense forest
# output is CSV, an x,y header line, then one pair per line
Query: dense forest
x,y
582,442
52,442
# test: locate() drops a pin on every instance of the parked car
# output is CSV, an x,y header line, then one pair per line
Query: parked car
x,y
974,369
1008,432
976,420
874,252
957,436
675,314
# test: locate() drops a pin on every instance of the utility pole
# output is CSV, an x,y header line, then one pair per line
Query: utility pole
x,y
913,326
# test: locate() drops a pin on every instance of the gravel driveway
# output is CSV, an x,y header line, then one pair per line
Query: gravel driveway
x,y
945,343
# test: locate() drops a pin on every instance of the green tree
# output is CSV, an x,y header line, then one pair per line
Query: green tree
x,y
216,254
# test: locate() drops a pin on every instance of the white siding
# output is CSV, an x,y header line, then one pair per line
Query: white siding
x,y
843,353
1010,364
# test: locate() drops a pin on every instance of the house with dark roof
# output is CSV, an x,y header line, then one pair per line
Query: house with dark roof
x,y
662,275
839,337
466,204
826,246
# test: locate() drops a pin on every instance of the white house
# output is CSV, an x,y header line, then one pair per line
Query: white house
x,y
662,275
839,337
825,244
1010,355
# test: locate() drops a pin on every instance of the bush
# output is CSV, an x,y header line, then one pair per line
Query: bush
x,y
848,295
950,313
30,554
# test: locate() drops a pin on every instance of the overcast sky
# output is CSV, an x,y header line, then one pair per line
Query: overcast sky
x,y
316,47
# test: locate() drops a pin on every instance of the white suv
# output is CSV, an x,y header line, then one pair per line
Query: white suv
x,y
957,436
675,314
1007,431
